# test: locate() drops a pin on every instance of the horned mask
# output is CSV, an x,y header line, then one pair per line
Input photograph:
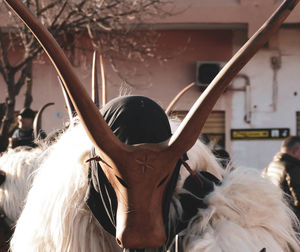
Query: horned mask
x,y
140,172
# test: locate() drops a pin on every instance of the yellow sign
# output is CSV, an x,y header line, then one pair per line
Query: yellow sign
x,y
251,134
259,134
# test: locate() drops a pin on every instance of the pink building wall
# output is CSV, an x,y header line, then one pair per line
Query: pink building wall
x,y
158,79
202,30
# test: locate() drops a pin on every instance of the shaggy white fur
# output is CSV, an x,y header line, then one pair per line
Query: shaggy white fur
x,y
19,165
56,218
245,213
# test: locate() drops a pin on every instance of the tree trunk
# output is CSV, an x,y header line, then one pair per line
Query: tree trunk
x,y
8,118
6,123
28,84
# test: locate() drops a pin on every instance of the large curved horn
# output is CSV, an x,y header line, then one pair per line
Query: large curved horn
x,y
95,126
37,122
177,97
70,108
103,81
190,128
95,86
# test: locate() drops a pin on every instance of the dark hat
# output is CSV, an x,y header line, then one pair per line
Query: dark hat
x,y
137,119
27,113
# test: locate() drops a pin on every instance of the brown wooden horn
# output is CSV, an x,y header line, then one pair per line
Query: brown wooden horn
x,y
189,130
103,81
37,122
96,127
95,86
70,108
177,97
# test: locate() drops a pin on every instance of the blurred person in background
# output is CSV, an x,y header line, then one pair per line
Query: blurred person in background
x,y
284,171
23,135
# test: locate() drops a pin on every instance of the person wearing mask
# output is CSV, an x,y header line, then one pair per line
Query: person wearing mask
x,y
284,171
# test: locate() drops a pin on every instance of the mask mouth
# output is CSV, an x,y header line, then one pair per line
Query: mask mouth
x,y
133,250
134,234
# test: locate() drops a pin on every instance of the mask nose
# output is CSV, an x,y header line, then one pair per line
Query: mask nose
x,y
139,240
139,231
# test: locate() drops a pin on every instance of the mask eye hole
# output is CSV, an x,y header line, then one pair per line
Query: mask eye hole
x,y
162,181
122,182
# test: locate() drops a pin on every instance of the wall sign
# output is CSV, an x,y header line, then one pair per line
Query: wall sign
x,y
260,134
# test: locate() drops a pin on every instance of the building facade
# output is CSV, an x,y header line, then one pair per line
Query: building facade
x,y
260,107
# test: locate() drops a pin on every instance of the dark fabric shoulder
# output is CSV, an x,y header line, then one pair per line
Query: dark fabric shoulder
x,y
193,196
288,159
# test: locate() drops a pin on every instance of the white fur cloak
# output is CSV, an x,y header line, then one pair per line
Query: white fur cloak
x,y
245,213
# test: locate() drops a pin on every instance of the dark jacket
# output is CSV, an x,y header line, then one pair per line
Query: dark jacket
x,y
22,137
284,171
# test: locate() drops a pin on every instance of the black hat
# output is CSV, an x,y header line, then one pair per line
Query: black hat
x,y
137,119
27,113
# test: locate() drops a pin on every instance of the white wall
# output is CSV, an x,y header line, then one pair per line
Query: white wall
x,y
258,154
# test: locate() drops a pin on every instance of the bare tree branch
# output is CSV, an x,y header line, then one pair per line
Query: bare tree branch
x,y
4,57
59,13
20,81
108,23
4,63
